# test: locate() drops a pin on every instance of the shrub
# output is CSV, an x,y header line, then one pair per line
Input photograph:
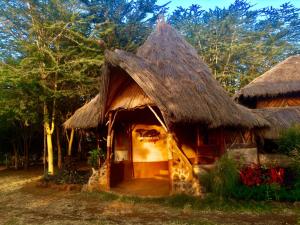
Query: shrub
x,y
93,159
223,178
254,175
251,175
266,192
289,142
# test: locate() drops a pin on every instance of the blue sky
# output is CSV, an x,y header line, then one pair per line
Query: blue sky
x,y
206,4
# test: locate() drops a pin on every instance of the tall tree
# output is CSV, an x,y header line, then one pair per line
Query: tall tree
x,y
133,20
239,42
56,58
58,47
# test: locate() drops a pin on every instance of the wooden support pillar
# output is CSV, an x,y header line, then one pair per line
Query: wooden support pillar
x,y
199,142
170,160
130,153
109,150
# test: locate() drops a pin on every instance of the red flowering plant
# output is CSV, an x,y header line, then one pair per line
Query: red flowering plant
x,y
276,175
251,175
255,175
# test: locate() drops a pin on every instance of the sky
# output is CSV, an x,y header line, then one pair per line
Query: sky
x,y
207,4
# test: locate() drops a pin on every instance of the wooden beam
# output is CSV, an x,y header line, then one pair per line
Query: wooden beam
x,y
159,119
170,161
109,150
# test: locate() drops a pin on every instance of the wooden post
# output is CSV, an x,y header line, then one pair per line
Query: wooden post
x,y
109,150
198,144
130,151
170,160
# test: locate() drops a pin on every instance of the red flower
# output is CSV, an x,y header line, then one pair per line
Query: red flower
x,y
276,175
255,175
251,175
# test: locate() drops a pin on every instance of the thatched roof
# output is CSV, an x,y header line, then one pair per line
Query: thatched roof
x,y
279,119
85,117
176,80
282,79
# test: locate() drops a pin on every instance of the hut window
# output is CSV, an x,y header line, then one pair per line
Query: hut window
x,y
121,144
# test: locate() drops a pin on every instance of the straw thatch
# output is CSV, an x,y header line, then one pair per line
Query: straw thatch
x,y
85,117
173,77
282,79
279,119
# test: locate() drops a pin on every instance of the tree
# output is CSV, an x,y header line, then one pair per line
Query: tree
x,y
57,60
239,43
58,49
133,20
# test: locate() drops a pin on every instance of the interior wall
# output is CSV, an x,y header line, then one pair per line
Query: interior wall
x,y
149,151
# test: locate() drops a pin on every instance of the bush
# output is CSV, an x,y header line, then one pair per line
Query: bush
x,y
254,175
223,178
266,192
93,159
289,142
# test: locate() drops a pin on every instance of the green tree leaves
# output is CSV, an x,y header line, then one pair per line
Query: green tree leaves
x,y
240,43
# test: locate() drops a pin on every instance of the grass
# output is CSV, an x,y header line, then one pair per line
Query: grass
x,y
209,203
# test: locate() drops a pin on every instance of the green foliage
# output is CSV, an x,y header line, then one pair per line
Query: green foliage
x,y
133,20
240,42
223,178
266,192
51,55
289,142
93,159
67,177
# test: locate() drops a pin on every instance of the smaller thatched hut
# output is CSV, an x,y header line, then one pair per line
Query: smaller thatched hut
x,y
278,87
275,96
165,113
86,116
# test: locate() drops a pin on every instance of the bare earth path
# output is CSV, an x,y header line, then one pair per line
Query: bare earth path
x,y
21,202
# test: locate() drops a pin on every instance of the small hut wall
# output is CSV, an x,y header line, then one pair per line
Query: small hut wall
x,y
239,138
278,102
210,148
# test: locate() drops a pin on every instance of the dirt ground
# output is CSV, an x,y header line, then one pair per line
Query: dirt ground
x,y
22,202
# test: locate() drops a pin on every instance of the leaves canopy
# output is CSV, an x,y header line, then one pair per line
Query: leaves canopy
x,y
239,43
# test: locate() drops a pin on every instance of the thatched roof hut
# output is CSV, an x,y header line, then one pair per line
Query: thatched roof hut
x,y
86,116
283,79
279,119
167,73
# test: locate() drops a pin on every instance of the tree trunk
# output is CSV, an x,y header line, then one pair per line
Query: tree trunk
x,y
16,157
49,132
59,154
26,155
45,150
50,154
70,143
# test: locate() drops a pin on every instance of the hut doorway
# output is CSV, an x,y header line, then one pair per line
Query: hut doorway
x,y
149,152
140,159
